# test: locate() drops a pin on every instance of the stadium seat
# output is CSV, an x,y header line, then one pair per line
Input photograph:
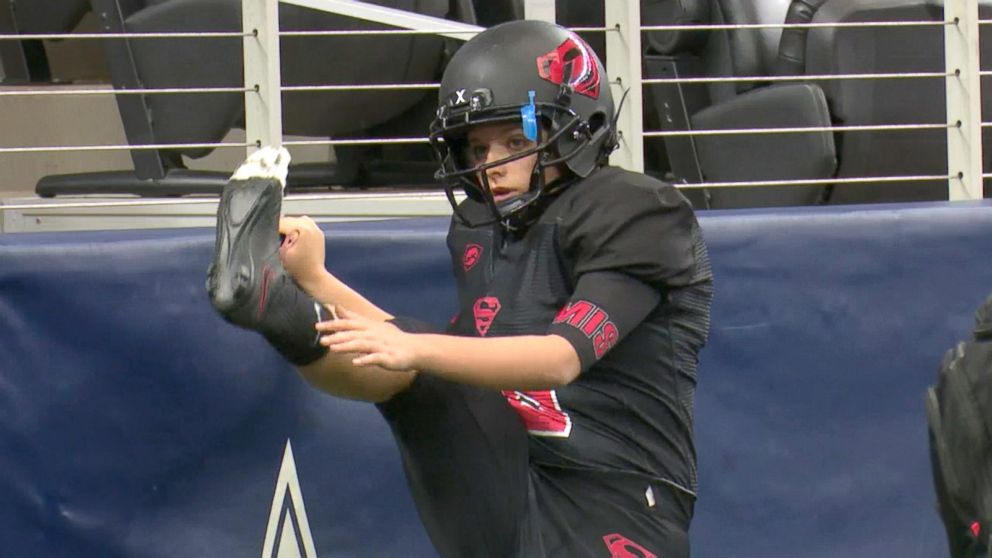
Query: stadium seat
x,y
25,61
755,104
869,102
217,62
735,104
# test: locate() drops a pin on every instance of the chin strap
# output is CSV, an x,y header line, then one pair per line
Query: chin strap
x,y
521,220
613,143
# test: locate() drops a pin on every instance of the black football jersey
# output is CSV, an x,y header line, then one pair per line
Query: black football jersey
x,y
616,265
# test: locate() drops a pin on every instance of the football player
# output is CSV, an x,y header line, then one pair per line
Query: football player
x,y
553,416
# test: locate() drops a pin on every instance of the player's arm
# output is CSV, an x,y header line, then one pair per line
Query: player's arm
x,y
627,255
524,362
330,290
532,362
603,309
517,362
302,254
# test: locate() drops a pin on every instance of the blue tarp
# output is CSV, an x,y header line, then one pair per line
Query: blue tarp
x,y
135,422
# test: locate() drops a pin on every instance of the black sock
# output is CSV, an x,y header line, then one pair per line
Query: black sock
x,y
288,322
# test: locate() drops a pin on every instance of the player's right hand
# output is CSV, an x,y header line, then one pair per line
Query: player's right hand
x,y
373,342
302,250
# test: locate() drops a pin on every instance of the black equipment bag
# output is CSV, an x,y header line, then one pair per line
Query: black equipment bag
x,y
959,412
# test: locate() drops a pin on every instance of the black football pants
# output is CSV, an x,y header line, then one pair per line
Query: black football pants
x,y
465,453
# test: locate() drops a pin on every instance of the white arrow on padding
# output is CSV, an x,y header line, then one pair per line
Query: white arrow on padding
x,y
288,533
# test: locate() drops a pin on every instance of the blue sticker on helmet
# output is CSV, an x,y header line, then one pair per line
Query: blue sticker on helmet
x,y
528,115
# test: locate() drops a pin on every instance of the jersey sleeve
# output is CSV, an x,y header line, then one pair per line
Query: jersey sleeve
x,y
629,241
603,309
644,230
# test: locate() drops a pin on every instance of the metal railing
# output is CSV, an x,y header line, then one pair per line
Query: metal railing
x,y
262,87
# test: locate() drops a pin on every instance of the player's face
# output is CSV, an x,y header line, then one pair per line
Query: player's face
x,y
492,142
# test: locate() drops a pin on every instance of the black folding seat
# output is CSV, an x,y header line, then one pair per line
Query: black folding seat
x,y
747,104
854,50
218,62
25,61
857,102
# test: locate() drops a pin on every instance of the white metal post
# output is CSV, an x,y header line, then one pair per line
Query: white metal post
x,y
623,65
964,142
540,9
391,16
263,101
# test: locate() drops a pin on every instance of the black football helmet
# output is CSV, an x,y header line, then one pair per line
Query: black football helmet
x,y
536,73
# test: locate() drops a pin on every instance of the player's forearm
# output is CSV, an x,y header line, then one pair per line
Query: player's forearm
x,y
518,362
328,289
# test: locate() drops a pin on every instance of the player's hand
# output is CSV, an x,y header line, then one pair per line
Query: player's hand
x,y
302,250
376,343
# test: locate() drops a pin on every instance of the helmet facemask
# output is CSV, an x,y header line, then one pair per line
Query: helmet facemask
x,y
525,72
449,139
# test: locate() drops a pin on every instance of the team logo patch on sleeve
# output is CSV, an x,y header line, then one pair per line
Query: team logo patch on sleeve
x,y
593,322
472,255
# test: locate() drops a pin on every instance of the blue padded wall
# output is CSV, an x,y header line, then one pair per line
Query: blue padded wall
x,y
135,422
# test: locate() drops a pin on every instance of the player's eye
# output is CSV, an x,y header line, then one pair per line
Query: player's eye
x,y
477,153
519,143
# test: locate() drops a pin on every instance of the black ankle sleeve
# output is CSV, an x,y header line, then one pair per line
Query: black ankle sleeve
x,y
289,321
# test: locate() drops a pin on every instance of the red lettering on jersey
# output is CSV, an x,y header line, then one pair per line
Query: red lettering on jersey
x,y
472,255
540,412
575,313
485,310
593,322
622,547
605,339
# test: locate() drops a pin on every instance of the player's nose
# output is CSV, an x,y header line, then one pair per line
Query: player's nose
x,y
491,157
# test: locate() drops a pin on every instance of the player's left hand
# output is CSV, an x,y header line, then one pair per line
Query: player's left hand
x,y
375,342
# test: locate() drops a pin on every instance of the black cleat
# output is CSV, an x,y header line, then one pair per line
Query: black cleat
x,y
246,252
246,281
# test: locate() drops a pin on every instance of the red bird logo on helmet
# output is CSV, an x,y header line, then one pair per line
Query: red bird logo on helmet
x,y
574,63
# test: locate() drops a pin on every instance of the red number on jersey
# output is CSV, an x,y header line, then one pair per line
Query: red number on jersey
x,y
541,412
